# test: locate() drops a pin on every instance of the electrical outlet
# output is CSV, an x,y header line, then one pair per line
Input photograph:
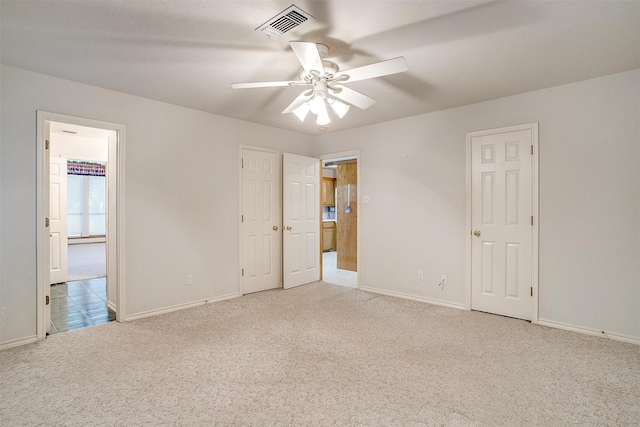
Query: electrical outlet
x,y
444,279
189,280
420,275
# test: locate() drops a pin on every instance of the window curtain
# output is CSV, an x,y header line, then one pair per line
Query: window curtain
x,y
86,198
75,167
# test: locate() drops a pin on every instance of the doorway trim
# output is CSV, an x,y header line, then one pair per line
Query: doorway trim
x,y
115,251
533,127
356,154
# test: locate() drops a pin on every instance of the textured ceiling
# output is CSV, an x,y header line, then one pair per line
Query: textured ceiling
x,y
189,52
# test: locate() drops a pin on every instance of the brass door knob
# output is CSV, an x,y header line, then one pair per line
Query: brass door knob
x,y
275,228
476,233
288,228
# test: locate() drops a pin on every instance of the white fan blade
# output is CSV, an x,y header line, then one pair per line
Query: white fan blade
x,y
301,99
266,84
377,69
302,111
352,97
308,56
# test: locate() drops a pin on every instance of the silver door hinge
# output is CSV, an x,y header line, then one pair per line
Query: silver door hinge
x,y
241,218
531,290
46,144
243,272
46,300
46,222
242,163
532,150
531,219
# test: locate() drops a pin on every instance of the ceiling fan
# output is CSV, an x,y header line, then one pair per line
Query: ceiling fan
x,y
326,83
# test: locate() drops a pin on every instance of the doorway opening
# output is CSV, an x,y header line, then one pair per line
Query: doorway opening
x,y
79,294
340,214
80,165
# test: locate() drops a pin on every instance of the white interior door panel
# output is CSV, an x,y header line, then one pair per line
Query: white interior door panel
x,y
501,220
261,220
58,219
301,219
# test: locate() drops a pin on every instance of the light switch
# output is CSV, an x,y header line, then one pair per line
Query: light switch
x,y
365,199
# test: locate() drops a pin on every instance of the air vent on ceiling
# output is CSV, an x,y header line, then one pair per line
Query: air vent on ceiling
x,y
290,18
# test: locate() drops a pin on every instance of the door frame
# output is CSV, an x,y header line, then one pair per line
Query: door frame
x,y
533,127
115,206
242,147
336,156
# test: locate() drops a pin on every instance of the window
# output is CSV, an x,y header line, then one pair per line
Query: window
x,y
86,200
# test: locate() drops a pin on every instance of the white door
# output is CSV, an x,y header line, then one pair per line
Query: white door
x,y
501,222
301,219
58,254
261,234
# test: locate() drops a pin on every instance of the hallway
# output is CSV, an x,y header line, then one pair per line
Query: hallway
x,y
79,304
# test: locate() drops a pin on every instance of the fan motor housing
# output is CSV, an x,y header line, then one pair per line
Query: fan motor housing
x,y
330,69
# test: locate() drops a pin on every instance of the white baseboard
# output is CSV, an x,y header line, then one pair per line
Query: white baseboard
x,y
18,341
413,297
86,240
180,307
112,306
589,331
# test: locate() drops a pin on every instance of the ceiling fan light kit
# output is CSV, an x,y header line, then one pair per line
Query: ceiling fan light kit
x,y
340,108
318,104
327,91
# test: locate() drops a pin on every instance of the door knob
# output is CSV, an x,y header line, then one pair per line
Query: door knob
x,y
288,228
275,228
476,233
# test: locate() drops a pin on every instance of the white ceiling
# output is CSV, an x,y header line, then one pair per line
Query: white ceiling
x,y
189,52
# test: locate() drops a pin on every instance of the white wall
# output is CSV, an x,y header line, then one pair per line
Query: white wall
x,y
182,197
181,202
589,266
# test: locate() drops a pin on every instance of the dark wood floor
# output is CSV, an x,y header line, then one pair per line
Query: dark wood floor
x,y
80,304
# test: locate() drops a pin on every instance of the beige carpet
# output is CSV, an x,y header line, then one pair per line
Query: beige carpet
x,y
87,261
321,355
